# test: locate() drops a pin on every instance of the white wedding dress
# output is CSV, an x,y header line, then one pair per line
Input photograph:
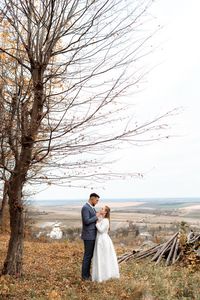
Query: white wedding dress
x,y
104,264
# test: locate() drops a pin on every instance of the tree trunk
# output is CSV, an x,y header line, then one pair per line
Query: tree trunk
x,y
13,262
14,258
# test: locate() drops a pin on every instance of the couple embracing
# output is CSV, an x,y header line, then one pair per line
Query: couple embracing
x,y
97,243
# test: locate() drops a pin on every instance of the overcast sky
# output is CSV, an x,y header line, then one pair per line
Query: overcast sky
x,y
171,167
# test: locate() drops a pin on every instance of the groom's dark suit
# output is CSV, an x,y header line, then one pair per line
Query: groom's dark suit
x,y
89,232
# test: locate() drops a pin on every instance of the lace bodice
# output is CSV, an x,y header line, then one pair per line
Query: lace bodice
x,y
103,226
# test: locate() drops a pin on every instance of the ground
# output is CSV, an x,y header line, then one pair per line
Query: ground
x,y
52,271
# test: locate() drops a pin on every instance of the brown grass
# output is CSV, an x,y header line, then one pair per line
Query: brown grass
x,y
52,271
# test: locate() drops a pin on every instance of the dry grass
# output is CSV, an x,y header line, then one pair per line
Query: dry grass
x,y
52,271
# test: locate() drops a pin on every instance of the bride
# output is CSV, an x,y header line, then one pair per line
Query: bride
x,y
105,265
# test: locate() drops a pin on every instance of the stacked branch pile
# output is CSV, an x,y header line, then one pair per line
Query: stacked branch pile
x,y
174,249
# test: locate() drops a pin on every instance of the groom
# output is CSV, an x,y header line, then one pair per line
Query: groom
x,y
89,218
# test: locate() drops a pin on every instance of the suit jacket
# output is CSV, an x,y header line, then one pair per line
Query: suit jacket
x,y
89,219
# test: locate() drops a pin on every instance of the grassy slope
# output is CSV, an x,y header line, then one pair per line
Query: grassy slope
x,y
52,271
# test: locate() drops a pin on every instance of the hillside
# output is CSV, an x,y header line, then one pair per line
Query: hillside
x,y
52,271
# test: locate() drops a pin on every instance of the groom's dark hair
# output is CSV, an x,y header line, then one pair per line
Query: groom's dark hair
x,y
94,195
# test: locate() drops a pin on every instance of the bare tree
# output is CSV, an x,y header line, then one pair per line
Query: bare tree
x,y
74,61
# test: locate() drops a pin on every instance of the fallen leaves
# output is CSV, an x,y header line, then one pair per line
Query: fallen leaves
x,y
54,295
52,271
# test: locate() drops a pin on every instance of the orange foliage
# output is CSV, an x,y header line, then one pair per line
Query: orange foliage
x,y
52,272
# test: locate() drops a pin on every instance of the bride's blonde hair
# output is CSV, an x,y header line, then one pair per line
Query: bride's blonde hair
x,y
107,215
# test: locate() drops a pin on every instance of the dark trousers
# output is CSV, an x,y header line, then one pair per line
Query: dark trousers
x,y
87,258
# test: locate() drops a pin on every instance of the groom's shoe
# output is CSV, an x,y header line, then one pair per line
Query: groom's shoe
x,y
87,279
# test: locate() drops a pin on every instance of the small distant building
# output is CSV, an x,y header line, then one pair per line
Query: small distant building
x,y
56,233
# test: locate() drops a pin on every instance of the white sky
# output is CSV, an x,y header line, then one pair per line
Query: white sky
x,y
171,167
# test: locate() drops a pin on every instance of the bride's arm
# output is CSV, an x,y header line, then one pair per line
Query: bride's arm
x,y
102,226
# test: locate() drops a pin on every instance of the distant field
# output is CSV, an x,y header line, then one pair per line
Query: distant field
x,y
149,201
165,211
